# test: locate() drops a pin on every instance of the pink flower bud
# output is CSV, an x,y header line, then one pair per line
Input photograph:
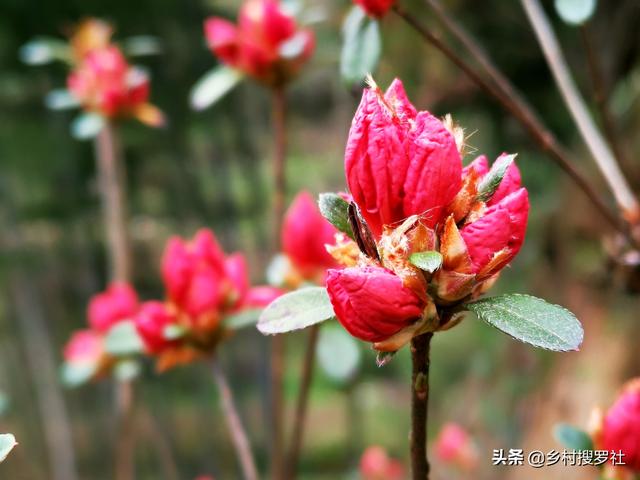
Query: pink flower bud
x,y
84,346
117,303
260,296
500,230
376,8
305,232
398,162
372,303
454,446
266,44
151,322
621,427
375,464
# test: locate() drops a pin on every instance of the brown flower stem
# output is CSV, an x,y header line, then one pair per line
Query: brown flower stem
x,y
297,435
420,347
505,93
600,96
111,180
278,341
236,429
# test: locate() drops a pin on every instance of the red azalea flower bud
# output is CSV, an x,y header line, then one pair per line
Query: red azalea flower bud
x,y
266,44
454,446
621,427
372,303
117,303
237,273
84,346
399,162
260,296
151,322
500,231
305,232
375,464
376,8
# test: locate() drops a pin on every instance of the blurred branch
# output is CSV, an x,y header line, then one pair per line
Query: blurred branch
x,y
297,436
124,458
600,96
163,448
53,412
506,94
572,98
238,434
278,341
420,347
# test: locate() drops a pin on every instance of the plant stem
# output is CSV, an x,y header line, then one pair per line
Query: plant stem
x,y
420,347
238,434
297,435
278,341
599,149
506,94
600,96
111,180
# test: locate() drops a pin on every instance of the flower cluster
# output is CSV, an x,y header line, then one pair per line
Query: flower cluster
x,y
455,447
203,287
266,44
304,237
375,464
619,430
103,82
85,349
412,197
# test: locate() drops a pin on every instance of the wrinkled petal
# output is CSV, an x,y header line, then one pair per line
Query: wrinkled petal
x,y
117,303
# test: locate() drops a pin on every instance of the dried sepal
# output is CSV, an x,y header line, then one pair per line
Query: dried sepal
x,y
454,252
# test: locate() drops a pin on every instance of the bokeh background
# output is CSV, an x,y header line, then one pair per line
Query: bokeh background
x,y
212,169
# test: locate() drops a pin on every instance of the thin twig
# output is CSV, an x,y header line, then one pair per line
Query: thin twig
x,y
599,149
600,96
124,452
237,431
511,100
278,341
160,440
420,347
297,436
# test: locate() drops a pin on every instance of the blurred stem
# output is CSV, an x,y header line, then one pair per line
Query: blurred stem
x,y
237,431
511,100
297,436
278,341
590,134
111,179
420,347
124,399
600,96
163,448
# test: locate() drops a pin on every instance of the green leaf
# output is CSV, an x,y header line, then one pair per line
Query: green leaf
x,y
60,99
173,332
243,319
361,46
492,180
295,310
126,370
215,84
572,437
336,210
76,374
575,12
338,353
427,261
531,320
7,442
43,50
142,45
86,125
123,339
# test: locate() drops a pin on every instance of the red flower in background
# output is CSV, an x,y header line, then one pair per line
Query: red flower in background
x,y
400,162
103,82
375,464
376,8
305,234
620,429
117,303
454,446
84,347
151,322
266,44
